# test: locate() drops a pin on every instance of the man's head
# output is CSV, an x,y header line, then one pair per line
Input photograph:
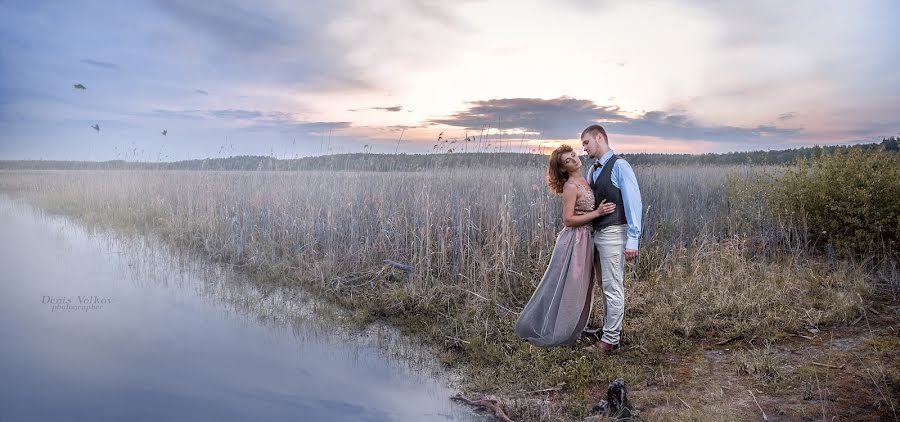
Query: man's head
x,y
594,141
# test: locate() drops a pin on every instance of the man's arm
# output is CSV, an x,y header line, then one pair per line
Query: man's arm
x,y
631,196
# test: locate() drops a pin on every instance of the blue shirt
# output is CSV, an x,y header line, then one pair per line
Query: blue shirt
x,y
624,179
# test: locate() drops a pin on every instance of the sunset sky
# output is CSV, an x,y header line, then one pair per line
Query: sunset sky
x,y
300,78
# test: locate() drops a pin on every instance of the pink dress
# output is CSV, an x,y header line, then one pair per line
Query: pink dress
x,y
561,304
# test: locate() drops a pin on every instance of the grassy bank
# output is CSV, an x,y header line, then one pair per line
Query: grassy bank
x,y
729,286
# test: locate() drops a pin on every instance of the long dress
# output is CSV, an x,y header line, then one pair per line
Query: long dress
x,y
561,304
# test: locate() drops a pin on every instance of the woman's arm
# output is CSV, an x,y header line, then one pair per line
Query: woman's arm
x,y
570,219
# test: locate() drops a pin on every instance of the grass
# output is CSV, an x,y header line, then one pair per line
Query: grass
x,y
717,269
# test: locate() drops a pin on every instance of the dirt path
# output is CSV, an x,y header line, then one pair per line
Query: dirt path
x,y
844,373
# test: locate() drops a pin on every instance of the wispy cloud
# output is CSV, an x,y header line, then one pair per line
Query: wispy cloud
x,y
100,64
298,127
786,116
236,114
256,120
176,114
226,114
234,24
273,41
389,108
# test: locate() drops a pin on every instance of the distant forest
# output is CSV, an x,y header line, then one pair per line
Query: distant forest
x,y
416,162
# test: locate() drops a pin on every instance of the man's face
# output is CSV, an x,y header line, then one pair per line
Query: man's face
x,y
591,145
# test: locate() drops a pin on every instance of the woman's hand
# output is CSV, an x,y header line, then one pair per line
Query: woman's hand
x,y
604,208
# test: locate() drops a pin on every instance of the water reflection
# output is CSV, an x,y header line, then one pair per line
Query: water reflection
x,y
98,326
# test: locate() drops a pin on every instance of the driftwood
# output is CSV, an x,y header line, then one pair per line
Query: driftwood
x,y
616,404
488,403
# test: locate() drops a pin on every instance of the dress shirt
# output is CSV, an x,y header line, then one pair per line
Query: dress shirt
x,y
623,178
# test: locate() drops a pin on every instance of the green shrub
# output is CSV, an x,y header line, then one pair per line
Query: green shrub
x,y
850,200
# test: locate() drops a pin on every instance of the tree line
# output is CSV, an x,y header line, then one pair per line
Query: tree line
x,y
419,162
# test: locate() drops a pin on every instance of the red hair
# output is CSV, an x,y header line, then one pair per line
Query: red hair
x,y
556,176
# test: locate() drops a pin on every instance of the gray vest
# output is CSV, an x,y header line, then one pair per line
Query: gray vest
x,y
604,189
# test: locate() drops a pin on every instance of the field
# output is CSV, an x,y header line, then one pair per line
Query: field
x,y
737,306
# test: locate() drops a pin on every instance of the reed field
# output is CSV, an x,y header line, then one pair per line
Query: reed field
x,y
736,288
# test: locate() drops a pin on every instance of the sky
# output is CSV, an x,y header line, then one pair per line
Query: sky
x,y
294,79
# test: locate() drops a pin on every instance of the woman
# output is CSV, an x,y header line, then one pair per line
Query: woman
x,y
560,306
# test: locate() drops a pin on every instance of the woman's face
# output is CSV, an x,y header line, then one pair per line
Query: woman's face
x,y
569,162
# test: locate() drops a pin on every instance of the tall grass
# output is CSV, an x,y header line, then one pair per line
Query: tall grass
x,y
480,225
488,232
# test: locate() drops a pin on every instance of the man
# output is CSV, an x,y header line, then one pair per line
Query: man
x,y
616,235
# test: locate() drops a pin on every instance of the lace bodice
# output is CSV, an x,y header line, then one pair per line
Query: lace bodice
x,y
584,202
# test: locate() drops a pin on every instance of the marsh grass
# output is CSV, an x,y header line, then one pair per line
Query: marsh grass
x,y
718,260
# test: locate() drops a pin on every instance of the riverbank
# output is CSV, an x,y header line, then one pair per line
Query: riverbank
x,y
716,326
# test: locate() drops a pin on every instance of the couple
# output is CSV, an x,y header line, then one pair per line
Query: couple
x,y
602,212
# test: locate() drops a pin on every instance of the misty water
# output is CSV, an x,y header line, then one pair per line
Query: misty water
x,y
106,327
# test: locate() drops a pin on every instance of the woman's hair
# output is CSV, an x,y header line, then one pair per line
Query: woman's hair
x,y
556,176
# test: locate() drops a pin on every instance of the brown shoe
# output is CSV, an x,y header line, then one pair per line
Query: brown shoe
x,y
601,346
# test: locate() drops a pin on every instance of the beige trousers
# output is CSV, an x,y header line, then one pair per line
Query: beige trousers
x,y
610,243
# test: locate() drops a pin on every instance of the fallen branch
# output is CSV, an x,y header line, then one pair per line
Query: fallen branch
x,y
683,402
488,403
477,295
825,365
457,339
545,390
488,300
757,405
402,267
729,340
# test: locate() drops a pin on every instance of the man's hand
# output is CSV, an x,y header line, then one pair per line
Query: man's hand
x,y
630,254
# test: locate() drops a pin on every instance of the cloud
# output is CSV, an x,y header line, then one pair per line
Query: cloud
x,y
175,114
102,65
236,114
235,25
390,108
275,42
786,116
298,127
201,91
227,114
556,118
565,117
259,121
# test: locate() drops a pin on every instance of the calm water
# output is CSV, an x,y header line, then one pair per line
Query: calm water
x,y
97,328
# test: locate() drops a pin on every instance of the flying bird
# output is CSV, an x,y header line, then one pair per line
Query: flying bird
x,y
96,127
165,131
79,86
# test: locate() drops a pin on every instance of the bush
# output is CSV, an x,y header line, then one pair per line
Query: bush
x,y
850,200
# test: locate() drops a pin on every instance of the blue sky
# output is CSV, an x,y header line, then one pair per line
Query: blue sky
x,y
306,78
